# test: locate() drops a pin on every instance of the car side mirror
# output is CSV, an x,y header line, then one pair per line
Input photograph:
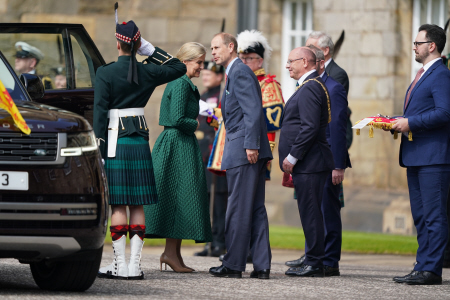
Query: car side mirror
x,y
33,85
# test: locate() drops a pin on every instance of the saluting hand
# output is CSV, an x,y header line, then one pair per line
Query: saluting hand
x,y
252,155
287,166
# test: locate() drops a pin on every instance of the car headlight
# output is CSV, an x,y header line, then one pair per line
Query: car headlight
x,y
79,144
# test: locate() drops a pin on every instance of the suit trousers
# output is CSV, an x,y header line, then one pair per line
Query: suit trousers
x,y
428,190
309,188
246,223
331,211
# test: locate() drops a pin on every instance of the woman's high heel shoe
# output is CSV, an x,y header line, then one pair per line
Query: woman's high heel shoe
x,y
173,263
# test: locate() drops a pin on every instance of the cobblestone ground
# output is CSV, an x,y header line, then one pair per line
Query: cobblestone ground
x,y
362,277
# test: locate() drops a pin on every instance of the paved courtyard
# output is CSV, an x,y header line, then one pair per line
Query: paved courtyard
x,y
362,277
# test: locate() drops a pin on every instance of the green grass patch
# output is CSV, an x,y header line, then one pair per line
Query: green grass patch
x,y
284,237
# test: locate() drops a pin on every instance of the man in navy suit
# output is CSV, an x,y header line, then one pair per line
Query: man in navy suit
x,y
304,152
336,138
427,156
245,157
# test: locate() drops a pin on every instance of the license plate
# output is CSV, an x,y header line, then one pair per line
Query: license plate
x,y
14,180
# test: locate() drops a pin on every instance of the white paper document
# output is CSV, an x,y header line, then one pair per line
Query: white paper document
x,y
363,123
205,109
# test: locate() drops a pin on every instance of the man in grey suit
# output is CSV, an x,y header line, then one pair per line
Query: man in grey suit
x,y
245,157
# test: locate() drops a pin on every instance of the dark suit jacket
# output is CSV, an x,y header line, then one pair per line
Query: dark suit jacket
x,y
243,116
303,129
337,128
338,74
428,113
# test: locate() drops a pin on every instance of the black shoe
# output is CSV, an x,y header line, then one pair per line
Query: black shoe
x,y
223,271
424,278
402,279
307,271
296,263
221,257
204,252
292,271
262,274
218,251
330,271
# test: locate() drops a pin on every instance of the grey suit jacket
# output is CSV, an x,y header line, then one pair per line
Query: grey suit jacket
x,y
243,116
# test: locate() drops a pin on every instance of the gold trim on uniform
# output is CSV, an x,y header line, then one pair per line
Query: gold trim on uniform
x,y
326,93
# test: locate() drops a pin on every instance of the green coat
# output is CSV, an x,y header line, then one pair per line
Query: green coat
x,y
183,208
112,90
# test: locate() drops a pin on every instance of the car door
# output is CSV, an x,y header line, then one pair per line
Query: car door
x,y
67,69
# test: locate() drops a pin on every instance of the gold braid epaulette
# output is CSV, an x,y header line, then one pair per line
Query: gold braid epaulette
x,y
326,93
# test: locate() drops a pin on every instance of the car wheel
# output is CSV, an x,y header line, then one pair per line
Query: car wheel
x,y
66,275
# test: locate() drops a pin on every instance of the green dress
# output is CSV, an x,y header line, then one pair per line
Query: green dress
x,y
183,208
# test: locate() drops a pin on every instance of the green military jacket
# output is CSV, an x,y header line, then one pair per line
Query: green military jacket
x,y
112,90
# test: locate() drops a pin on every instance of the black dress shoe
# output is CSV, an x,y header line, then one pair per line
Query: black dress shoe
x,y
424,278
308,271
218,251
296,263
262,274
330,271
223,271
292,271
402,279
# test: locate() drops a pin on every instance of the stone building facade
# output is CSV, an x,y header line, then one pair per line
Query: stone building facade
x,y
376,53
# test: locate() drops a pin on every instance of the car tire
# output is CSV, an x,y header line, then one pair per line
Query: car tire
x,y
67,275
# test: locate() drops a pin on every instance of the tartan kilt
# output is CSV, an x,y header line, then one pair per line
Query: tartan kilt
x,y
130,174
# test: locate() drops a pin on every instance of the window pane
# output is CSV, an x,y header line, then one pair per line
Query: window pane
x,y
423,12
293,15
293,42
303,41
35,53
82,62
435,11
304,15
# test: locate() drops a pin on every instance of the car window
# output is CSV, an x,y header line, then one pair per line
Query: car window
x,y
81,61
10,83
40,54
85,59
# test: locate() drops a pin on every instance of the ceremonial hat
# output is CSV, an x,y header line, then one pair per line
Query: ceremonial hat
x,y
59,71
252,41
128,33
25,50
212,66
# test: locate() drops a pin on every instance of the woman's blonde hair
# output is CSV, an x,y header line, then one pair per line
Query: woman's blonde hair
x,y
191,51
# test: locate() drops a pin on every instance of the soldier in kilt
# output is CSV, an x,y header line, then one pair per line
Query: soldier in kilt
x,y
122,89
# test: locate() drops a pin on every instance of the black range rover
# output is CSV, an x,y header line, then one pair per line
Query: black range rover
x,y
53,190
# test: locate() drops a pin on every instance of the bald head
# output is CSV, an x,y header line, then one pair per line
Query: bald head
x,y
300,61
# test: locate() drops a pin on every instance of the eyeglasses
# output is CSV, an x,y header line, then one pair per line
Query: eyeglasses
x,y
290,61
248,59
416,44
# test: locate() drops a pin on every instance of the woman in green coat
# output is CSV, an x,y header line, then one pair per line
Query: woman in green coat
x,y
183,208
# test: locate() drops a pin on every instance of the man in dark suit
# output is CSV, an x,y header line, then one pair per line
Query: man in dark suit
x,y
336,138
245,157
304,152
324,42
427,156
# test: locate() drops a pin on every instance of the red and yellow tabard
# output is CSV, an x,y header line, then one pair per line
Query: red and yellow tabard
x,y
273,106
